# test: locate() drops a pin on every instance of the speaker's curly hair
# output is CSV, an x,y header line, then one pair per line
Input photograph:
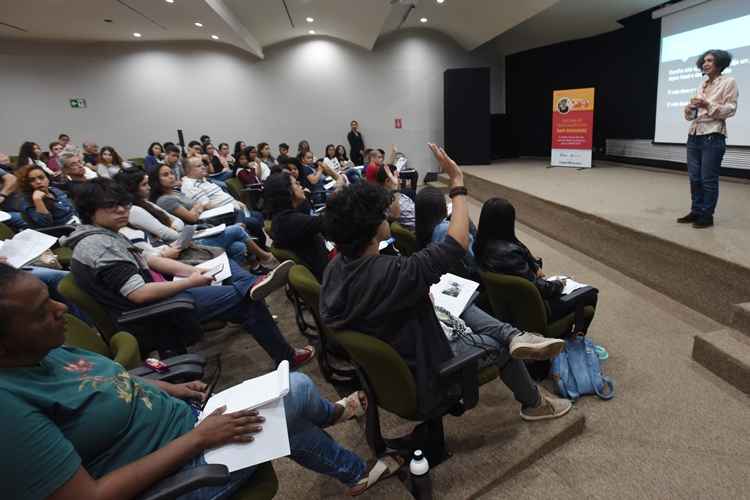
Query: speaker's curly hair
x,y
722,59
352,217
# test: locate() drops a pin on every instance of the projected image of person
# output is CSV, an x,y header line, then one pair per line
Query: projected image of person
x,y
715,101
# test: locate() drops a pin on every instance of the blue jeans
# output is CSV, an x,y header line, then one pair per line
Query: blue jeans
x,y
704,155
234,240
253,221
495,336
17,221
311,447
231,303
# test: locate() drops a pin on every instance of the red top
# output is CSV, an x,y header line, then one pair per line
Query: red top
x,y
371,172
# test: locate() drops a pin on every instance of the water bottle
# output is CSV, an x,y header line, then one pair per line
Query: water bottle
x,y
419,469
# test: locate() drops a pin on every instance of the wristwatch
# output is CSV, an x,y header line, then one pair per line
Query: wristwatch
x,y
458,191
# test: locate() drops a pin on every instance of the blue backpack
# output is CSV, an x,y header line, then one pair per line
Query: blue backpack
x,y
576,371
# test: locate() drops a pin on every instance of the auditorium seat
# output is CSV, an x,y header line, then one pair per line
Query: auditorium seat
x,y
306,287
305,328
406,241
123,349
163,311
517,301
390,385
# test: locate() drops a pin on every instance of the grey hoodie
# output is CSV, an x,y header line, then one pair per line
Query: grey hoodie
x,y
106,265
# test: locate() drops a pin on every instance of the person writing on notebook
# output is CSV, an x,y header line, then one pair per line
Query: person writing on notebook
x,y
81,427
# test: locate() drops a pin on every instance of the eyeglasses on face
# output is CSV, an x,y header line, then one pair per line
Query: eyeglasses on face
x,y
112,205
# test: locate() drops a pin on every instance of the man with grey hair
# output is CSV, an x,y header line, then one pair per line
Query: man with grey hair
x,y
90,153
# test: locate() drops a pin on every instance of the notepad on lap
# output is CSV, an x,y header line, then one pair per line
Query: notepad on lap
x,y
570,285
453,293
216,212
25,247
222,260
266,394
211,231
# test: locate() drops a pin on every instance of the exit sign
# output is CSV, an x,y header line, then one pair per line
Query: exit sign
x,y
77,103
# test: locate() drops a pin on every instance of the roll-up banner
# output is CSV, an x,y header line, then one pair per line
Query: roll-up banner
x,y
572,127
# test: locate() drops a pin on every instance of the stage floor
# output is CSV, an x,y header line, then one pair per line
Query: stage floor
x,y
648,200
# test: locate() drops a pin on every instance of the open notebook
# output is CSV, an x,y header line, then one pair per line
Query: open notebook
x,y
266,394
570,285
454,293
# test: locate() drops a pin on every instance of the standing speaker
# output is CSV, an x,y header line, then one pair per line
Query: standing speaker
x,y
467,115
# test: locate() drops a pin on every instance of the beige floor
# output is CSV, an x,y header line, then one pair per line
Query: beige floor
x,y
674,430
648,200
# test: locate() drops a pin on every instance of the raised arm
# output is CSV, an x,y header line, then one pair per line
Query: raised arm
x,y
458,228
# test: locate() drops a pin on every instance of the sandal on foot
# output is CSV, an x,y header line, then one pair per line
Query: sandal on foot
x,y
353,406
378,470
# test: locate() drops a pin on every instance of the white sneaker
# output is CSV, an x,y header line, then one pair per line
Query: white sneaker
x,y
532,346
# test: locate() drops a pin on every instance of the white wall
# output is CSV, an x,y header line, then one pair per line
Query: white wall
x,y
308,89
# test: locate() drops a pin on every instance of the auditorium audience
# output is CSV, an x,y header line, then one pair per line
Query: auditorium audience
x,y
388,296
43,205
57,458
303,147
10,201
498,250
153,157
219,169
63,139
332,162
173,161
313,173
293,227
31,154
74,173
109,267
109,162
356,143
246,171
225,157
162,228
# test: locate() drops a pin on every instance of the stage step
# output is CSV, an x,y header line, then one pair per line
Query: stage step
x,y
727,354
440,184
741,317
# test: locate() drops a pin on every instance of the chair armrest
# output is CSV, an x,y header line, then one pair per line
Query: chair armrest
x,y
184,367
186,481
56,231
163,307
177,374
460,361
465,365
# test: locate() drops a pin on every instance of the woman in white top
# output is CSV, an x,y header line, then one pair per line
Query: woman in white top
x,y
110,163
261,169
330,158
265,156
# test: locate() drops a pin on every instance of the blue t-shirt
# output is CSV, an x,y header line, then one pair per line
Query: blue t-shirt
x,y
78,408
470,268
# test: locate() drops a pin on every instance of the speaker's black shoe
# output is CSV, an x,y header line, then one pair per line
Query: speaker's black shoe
x,y
703,222
691,217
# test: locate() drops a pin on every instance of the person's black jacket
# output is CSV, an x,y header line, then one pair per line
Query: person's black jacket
x,y
296,230
388,297
505,257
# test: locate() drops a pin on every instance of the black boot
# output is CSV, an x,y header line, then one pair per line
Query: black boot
x,y
691,217
702,222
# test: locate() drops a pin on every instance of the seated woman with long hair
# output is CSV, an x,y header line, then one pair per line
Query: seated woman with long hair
x,y
293,227
43,205
31,154
498,250
110,163
163,192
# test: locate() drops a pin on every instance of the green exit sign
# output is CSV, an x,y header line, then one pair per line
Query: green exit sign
x,y
77,103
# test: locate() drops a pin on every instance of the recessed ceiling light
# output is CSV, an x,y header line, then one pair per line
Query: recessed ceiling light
x,y
423,20
197,24
440,1
170,1
214,37
137,35
309,19
312,32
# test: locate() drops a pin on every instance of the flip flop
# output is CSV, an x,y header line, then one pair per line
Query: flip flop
x,y
383,468
353,406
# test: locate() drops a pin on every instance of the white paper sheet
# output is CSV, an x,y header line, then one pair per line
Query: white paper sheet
x,y
570,285
211,231
225,273
266,394
453,293
25,247
215,212
4,216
